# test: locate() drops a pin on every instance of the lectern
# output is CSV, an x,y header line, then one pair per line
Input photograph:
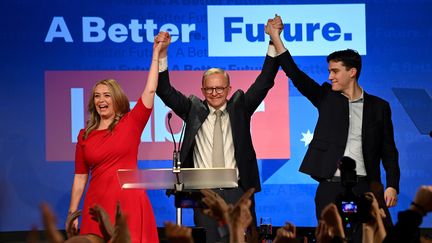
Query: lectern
x,y
186,179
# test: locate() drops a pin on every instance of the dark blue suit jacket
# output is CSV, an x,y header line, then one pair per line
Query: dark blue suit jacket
x,y
240,108
331,131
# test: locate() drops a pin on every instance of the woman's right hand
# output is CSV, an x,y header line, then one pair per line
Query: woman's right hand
x,y
161,42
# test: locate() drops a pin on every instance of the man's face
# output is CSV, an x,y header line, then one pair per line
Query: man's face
x,y
341,78
215,90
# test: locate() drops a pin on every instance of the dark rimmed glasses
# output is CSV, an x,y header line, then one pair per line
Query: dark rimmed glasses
x,y
209,90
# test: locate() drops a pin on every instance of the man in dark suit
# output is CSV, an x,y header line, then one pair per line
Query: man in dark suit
x,y
351,123
201,118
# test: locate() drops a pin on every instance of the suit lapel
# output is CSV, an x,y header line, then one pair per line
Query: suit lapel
x,y
197,118
203,113
230,110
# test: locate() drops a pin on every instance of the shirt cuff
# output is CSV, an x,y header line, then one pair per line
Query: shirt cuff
x,y
272,51
163,64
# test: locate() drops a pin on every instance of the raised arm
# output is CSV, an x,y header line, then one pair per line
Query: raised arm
x,y
162,39
265,80
274,28
172,98
306,85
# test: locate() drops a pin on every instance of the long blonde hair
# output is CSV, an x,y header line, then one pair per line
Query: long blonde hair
x,y
120,102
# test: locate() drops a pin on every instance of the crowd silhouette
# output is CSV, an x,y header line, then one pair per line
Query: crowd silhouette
x,y
235,221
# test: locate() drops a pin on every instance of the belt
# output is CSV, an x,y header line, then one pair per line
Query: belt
x,y
338,179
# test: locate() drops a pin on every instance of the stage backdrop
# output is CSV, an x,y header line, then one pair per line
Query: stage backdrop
x,y
52,52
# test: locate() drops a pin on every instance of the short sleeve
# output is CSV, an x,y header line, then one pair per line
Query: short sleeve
x,y
139,115
80,164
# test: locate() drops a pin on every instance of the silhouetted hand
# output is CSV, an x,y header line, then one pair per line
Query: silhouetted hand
x,y
33,236
423,200
333,220
323,233
237,217
374,231
240,213
217,207
240,217
99,215
121,230
49,220
286,234
177,233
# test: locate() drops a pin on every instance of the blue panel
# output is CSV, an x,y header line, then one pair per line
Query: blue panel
x,y
418,104
397,67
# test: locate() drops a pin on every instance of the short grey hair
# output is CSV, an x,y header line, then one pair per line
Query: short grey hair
x,y
215,71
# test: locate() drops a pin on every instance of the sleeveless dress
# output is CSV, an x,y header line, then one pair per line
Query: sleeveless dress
x,y
102,153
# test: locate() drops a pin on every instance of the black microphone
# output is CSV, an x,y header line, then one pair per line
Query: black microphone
x,y
181,137
178,147
176,165
172,134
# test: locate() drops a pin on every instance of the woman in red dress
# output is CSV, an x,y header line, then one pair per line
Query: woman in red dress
x,y
108,143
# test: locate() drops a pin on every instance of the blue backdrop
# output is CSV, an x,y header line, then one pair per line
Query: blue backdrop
x,y
397,67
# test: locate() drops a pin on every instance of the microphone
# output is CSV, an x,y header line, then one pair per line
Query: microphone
x,y
178,186
176,166
181,137
176,152
172,134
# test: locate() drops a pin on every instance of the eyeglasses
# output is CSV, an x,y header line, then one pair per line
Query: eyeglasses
x,y
219,90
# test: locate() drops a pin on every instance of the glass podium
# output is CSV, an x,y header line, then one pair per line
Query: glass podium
x,y
183,180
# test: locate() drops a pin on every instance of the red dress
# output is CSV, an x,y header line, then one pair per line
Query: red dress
x,y
103,153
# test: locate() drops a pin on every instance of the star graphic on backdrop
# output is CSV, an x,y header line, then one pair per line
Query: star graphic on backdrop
x,y
307,137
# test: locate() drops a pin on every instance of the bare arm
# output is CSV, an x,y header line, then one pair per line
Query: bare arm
x,y
49,220
152,80
305,84
79,184
373,230
172,97
274,28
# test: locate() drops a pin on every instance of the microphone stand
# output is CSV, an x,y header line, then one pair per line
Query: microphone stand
x,y
178,186
176,159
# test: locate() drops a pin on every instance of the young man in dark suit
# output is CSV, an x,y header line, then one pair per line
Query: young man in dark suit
x,y
201,118
351,123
